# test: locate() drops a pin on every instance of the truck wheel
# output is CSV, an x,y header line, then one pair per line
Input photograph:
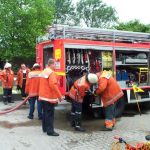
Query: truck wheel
x,y
120,106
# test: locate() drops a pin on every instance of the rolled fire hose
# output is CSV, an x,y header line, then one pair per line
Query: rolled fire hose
x,y
82,67
75,67
82,62
68,68
78,67
72,67
87,69
15,108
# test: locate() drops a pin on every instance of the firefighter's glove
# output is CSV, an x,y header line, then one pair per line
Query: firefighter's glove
x,y
94,93
18,87
62,98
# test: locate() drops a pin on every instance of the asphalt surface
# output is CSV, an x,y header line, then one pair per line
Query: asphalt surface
x,y
17,132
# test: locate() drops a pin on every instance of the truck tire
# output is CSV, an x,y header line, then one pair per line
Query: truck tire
x,y
120,106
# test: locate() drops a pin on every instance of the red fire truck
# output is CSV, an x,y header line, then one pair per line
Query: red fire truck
x,y
125,54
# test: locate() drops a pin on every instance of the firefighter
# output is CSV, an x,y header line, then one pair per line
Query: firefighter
x,y
50,95
32,89
21,79
110,92
77,93
7,77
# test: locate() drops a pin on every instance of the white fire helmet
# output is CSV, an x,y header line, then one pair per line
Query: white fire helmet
x,y
36,65
92,78
7,65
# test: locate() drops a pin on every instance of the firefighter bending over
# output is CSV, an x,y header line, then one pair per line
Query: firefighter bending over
x,y
7,77
32,89
50,95
110,92
77,93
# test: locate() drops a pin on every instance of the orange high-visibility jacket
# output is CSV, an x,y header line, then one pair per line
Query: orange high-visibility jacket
x,y
20,76
48,89
7,77
77,91
32,83
108,88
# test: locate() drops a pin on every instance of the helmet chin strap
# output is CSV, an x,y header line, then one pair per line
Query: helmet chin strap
x,y
86,77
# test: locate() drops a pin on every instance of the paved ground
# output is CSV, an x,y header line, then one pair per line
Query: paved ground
x,y
19,133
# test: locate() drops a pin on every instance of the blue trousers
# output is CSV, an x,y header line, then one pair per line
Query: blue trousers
x,y
32,101
110,112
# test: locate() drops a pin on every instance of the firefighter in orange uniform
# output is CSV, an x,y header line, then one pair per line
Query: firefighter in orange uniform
x,y
50,95
77,93
32,89
21,79
7,77
110,92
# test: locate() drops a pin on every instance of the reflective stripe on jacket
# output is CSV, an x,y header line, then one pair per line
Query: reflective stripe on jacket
x,y
48,89
32,83
20,77
7,77
108,88
77,91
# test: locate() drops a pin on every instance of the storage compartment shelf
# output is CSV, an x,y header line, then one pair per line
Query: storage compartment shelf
x,y
131,64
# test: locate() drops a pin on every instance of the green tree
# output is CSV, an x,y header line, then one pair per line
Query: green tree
x,y
95,13
21,21
64,11
133,25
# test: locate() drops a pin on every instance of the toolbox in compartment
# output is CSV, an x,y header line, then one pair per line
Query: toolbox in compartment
x,y
133,67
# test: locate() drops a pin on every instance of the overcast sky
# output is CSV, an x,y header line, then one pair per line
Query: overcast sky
x,y
131,9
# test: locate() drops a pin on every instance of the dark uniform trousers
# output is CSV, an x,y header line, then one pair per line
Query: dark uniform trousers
x,y
7,94
110,112
23,94
48,117
76,112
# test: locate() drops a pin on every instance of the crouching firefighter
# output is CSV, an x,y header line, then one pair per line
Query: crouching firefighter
x,y
77,93
110,92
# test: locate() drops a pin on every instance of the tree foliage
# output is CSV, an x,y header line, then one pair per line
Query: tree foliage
x,y
95,13
21,22
133,25
64,11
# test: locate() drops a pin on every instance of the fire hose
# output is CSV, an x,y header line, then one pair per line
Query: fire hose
x,y
15,108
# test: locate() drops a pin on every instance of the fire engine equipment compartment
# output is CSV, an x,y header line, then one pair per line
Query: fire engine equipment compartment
x,y
79,61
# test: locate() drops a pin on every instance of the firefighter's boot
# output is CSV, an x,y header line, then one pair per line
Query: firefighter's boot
x,y
72,119
106,129
78,123
114,122
5,100
10,99
108,125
